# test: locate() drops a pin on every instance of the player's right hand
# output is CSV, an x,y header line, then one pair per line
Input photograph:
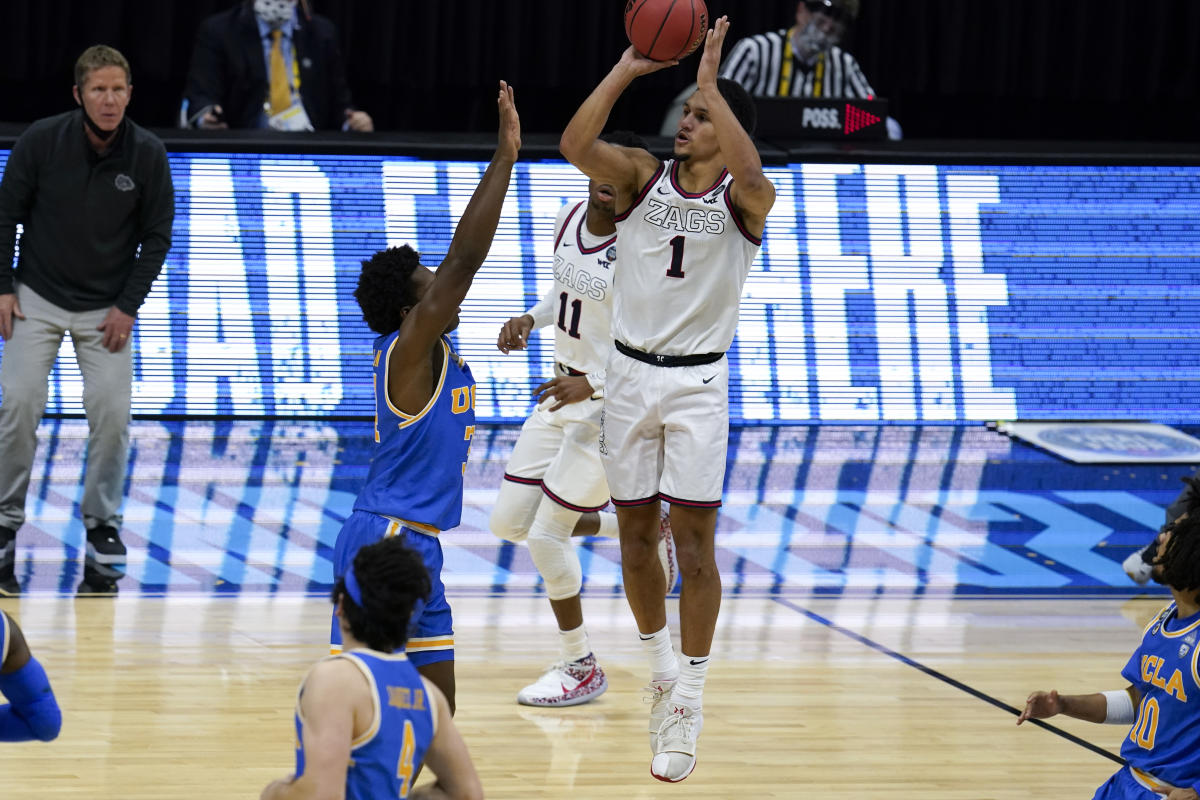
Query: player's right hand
x,y
9,308
1041,705
510,124
515,334
634,61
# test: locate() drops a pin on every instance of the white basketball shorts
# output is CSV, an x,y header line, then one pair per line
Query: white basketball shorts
x,y
665,432
560,450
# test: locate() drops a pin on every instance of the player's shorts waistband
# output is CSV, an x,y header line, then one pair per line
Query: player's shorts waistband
x,y
658,360
398,523
565,370
1149,781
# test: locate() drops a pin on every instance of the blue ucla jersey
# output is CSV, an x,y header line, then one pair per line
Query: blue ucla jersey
x,y
417,471
385,759
1165,738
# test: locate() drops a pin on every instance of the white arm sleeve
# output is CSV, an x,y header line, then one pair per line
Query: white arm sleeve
x,y
543,311
1120,708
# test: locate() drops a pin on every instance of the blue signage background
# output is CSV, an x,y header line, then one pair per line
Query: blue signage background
x,y
883,292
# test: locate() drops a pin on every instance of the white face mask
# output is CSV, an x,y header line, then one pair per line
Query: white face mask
x,y
275,13
812,40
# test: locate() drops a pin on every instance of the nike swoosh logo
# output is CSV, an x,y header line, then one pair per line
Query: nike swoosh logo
x,y
645,638
706,380
663,190
696,663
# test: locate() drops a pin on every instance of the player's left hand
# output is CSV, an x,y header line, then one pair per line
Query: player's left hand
x,y
710,60
1183,794
514,335
566,390
117,328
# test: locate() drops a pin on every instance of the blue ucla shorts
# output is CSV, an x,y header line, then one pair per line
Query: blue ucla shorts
x,y
431,629
1122,786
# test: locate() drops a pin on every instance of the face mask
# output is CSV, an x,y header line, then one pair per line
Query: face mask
x,y
812,40
274,13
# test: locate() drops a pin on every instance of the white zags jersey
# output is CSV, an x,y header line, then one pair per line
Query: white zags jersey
x,y
684,260
579,304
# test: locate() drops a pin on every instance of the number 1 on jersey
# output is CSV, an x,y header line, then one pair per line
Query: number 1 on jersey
x,y
676,268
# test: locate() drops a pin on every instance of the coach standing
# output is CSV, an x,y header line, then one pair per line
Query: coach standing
x,y
93,192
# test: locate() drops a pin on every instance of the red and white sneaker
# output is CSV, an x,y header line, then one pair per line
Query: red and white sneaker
x,y
658,695
567,683
666,551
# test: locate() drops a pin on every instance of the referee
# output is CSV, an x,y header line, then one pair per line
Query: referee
x,y
801,61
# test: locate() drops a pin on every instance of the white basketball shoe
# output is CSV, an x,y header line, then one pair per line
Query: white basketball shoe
x,y
666,551
675,757
567,683
658,695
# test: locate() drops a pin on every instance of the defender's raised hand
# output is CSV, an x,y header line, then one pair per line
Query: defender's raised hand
x,y
510,123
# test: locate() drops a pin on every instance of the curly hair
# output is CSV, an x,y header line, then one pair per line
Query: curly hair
x,y
1180,559
385,287
740,103
393,580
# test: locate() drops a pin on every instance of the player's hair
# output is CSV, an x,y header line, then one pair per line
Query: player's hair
x,y
385,286
96,57
392,579
740,103
1181,556
624,139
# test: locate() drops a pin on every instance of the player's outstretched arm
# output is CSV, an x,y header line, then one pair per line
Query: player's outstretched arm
x,y
448,758
331,691
1090,707
472,239
623,167
752,193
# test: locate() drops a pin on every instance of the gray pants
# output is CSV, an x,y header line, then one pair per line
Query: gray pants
x,y
107,387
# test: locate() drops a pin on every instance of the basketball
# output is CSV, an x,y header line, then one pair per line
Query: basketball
x,y
664,30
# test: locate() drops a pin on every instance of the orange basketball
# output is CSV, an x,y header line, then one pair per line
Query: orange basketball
x,y
664,30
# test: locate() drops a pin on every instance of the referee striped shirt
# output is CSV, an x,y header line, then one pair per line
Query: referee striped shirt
x,y
766,66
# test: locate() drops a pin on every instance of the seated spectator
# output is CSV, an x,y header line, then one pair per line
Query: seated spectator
x,y
262,65
802,61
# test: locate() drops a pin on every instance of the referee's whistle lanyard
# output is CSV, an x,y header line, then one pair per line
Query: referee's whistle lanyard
x,y
789,63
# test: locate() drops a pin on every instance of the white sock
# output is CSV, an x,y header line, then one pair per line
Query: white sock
x,y
573,645
608,525
663,664
689,689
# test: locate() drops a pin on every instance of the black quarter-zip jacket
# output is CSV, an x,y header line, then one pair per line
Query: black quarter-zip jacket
x,y
85,216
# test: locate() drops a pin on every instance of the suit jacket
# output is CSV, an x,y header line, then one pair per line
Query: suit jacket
x,y
228,69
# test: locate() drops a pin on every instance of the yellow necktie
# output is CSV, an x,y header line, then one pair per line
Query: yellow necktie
x,y
281,95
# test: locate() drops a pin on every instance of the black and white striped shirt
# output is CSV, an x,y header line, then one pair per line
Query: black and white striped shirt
x,y
766,66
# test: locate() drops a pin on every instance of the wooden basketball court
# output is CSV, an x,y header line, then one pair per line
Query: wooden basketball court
x,y
190,697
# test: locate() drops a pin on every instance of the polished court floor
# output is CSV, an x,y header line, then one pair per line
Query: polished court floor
x,y
892,594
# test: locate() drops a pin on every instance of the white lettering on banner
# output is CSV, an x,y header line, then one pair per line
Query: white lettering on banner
x,y
905,225
219,337
301,286
974,291
780,293
832,273
402,182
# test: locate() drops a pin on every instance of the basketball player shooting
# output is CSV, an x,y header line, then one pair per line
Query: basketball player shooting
x,y
688,230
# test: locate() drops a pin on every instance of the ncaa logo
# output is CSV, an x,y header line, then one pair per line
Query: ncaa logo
x,y
610,254
1119,441
124,182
